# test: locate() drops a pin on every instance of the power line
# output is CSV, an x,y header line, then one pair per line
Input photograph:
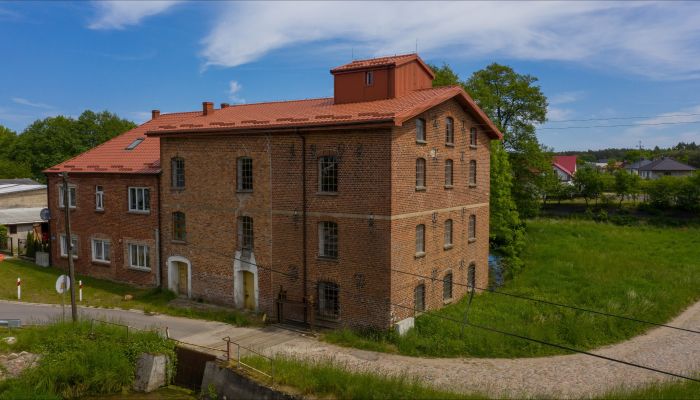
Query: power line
x,y
486,328
553,303
618,118
619,125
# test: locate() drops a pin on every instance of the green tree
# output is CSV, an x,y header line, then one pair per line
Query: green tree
x,y
55,139
688,193
626,184
662,192
444,76
588,182
13,169
7,139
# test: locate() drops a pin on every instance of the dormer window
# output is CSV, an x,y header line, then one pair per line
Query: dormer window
x,y
369,78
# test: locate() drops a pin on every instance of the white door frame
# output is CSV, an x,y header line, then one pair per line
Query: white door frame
x,y
172,274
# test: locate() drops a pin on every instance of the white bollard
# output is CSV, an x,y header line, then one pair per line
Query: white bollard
x,y
80,291
19,289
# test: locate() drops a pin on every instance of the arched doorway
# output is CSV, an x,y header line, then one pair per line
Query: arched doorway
x,y
245,281
180,276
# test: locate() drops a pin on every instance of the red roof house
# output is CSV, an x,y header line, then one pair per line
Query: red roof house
x,y
565,167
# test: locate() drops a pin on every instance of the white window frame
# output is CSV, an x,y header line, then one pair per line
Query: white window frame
x,y
369,78
72,196
105,249
134,191
64,247
99,198
143,262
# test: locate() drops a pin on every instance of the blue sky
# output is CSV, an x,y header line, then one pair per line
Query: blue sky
x,y
634,64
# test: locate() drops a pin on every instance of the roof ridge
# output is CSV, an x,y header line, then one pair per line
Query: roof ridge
x,y
273,102
383,57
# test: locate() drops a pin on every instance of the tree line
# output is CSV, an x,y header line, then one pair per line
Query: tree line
x,y
688,153
50,141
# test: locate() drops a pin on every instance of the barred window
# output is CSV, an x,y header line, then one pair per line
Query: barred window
x,y
420,173
472,226
471,276
245,174
179,226
472,136
448,232
328,300
328,174
420,130
328,239
472,172
449,131
420,239
419,298
177,178
245,233
448,172
447,286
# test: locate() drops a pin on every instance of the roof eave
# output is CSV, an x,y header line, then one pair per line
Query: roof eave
x,y
283,128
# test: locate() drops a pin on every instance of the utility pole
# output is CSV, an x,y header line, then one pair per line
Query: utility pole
x,y
69,247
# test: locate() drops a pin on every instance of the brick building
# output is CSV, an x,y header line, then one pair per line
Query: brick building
x,y
333,204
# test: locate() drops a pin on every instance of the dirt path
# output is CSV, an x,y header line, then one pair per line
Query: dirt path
x,y
569,376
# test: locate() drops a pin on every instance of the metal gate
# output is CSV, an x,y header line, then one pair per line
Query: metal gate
x,y
289,311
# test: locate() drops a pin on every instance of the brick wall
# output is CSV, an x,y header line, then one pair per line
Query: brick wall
x,y
115,224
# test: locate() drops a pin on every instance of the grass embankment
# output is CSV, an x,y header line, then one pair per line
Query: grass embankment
x,y
79,360
38,286
686,390
646,272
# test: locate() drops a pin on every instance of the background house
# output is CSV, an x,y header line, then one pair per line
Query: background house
x,y
634,167
565,167
665,167
21,202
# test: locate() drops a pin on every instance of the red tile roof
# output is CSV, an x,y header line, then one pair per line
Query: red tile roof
x,y
323,112
390,61
566,163
112,156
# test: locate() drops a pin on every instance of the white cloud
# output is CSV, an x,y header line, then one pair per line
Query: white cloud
x,y
119,14
233,88
566,97
25,102
656,40
558,114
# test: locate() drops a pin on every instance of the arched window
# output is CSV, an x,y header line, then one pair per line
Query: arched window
x,y
420,173
472,227
420,130
328,174
177,177
179,226
471,276
448,233
472,137
449,131
420,239
472,173
245,233
245,174
328,239
448,172
419,298
328,300
447,286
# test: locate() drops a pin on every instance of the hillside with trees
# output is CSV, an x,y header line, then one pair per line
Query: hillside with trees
x,y
688,153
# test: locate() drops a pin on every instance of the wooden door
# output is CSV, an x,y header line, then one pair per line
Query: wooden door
x,y
182,279
249,290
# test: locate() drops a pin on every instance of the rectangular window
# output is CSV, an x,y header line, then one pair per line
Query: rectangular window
x,y
420,239
13,229
71,196
179,227
328,300
369,78
245,233
472,227
420,173
448,233
138,257
472,137
101,250
449,131
99,198
328,239
245,174
328,174
177,166
139,199
448,173
447,287
472,173
420,130
64,246
419,298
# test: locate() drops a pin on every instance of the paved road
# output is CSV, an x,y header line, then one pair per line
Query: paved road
x,y
569,376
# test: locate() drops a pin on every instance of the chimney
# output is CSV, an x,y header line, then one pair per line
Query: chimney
x,y
155,114
225,105
207,107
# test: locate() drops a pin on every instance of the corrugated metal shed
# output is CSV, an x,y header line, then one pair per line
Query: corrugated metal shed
x,y
14,216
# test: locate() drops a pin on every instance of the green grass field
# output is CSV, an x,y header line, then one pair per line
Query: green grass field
x,y
646,272
38,286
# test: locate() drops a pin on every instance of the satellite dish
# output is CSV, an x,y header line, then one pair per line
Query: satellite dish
x,y
62,284
45,214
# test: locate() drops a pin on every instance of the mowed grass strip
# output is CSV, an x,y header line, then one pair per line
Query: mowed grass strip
x,y
39,286
645,272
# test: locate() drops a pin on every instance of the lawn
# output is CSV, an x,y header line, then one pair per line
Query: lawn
x,y
646,272
38,286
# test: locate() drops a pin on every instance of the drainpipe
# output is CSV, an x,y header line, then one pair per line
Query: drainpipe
x,y
159,270
303,220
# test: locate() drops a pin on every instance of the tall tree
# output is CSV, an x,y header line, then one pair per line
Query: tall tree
x,y
55,139
7,139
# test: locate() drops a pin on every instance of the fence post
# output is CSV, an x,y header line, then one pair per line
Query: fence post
x,y
19,289
238,365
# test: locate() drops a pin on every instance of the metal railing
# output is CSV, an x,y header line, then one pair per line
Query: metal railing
x,y
241,364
